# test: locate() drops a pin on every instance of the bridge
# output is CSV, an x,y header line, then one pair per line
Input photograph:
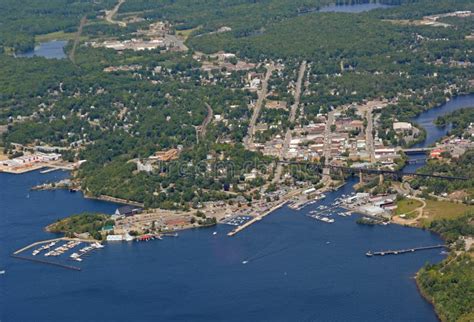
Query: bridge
x,y
415,161
396,173
417,150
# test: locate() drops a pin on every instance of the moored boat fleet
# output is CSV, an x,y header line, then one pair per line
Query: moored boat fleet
x,y
62,249
44,247
324,213
85,250
298,204
58,251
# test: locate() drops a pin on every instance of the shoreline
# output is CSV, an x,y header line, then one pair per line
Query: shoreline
x,y
268,212
425,296
112,199
420,290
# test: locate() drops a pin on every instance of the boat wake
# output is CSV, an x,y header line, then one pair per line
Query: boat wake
x,y
266,251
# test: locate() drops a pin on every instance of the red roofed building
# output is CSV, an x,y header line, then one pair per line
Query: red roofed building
x,y
436,153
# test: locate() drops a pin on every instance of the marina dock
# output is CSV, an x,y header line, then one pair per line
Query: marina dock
x,y
255,219
73,241
21,250
402,251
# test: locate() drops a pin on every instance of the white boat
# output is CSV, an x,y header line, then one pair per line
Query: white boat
x,y
2,272
323,219
214,233
326,219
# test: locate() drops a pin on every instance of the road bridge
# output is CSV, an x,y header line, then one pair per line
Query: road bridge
x,y
417,150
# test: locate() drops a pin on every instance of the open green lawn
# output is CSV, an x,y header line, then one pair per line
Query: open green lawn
x,y
58,35
443,210
407,205
185,33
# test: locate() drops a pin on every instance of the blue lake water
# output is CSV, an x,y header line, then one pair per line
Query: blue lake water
x,y
433,132
353,8
50,49
299,269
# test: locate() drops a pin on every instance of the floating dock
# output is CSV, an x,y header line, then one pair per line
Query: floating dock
x,y
402,251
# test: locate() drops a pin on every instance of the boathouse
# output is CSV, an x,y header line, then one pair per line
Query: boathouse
x,y
128,211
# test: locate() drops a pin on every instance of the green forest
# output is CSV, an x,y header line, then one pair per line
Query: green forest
x,y
459,121
90,223
19,24
119,117
462,167
449,285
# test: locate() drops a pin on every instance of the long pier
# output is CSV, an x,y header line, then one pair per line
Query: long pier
x,y
255,219
402,251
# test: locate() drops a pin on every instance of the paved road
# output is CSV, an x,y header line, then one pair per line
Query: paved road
x,y
262,94
201,129
77,38
327,136
294,109
110,14
369,137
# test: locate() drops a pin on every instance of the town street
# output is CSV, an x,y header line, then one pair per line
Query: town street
x,y
294,109
262,94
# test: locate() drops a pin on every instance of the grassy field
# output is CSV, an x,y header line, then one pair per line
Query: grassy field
x,y
58,35
185,33
443,210
407,205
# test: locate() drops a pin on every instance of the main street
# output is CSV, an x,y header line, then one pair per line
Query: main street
x,y
297,95
327,136
262,94
369,136
294,109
